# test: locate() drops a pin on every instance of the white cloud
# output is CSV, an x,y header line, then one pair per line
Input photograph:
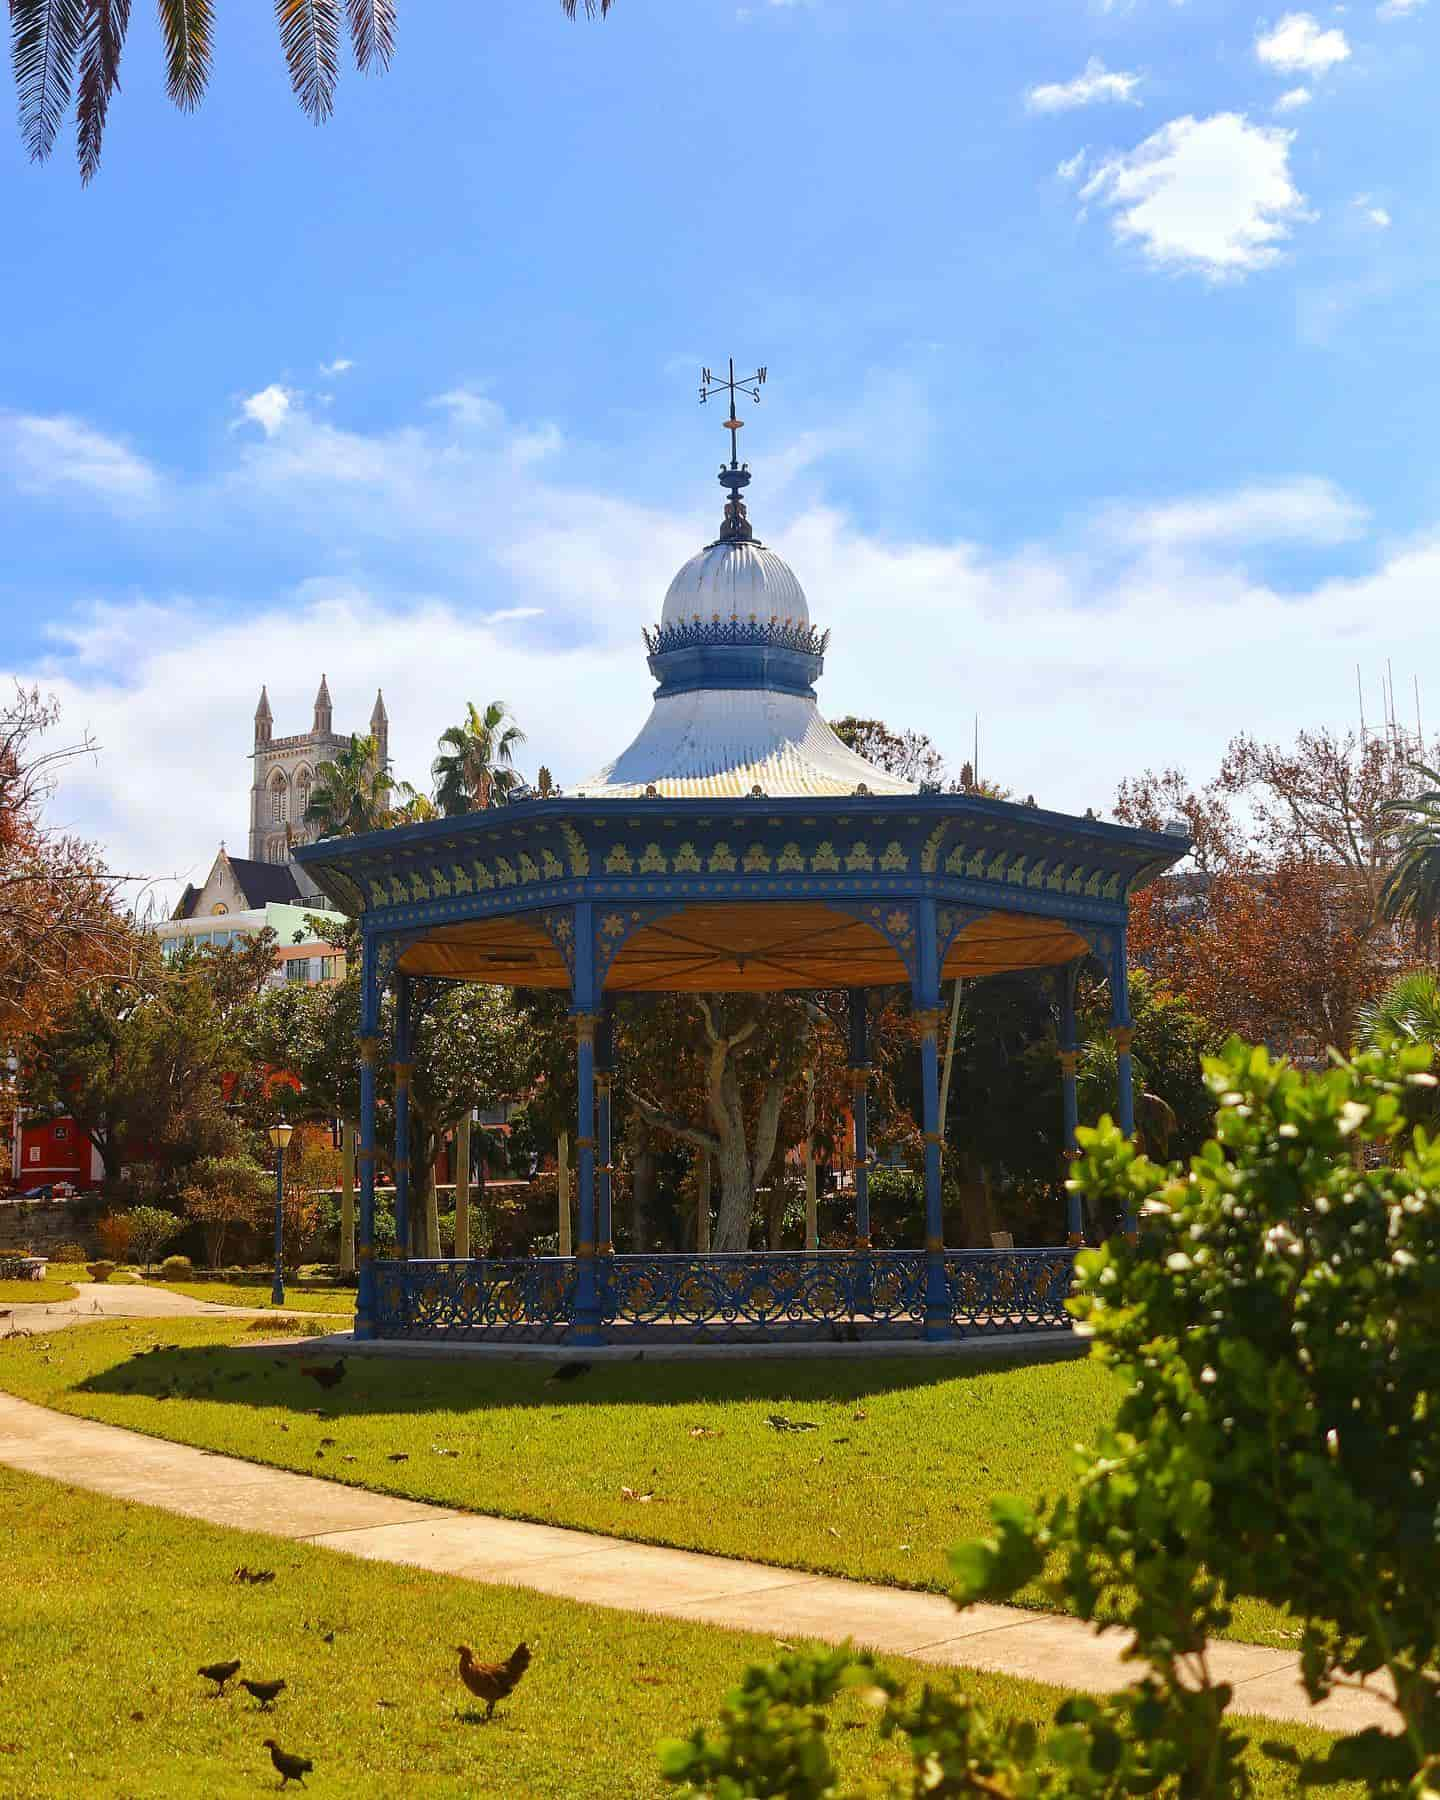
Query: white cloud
x,y
1299,45
52,454
268,409
1398,9
1211,195
1071,168
1304,509
1144,639
1293,99
339,367
1094,85
1373,214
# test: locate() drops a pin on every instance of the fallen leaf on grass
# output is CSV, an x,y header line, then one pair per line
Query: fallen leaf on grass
x,y
705,1431
628,1493
137,1718
833,1532
778,1422
349,1459
440,1450
398,1456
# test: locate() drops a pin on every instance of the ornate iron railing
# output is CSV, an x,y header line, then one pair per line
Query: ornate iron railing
x,y
511,1297
1009,1290
839,1295
781,634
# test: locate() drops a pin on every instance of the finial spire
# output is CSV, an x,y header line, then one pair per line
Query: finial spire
x,y
736,527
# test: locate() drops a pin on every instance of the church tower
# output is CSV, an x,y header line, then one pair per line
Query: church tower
x,y
286,769
380,729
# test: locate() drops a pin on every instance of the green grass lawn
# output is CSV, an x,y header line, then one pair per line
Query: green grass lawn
x,y
300,1296
110,1608
902,1462
35,1292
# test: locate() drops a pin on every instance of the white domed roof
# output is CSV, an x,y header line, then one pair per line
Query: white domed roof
x,y
737,579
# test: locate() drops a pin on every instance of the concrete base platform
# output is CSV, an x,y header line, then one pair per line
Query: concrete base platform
x,y
1020,1347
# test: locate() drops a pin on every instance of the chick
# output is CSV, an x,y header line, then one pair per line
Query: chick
x,y
493,1681
264,1691
290,1768
219,1673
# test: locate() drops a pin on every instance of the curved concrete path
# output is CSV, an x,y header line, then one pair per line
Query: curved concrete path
x,y
95,1300
643,1578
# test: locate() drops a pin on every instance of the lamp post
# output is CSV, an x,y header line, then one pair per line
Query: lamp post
x,y
279,1136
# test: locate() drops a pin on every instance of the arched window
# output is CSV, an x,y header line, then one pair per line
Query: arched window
x,y
279,799
275,850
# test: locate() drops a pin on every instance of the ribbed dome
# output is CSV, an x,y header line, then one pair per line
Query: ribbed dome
x,y
737,580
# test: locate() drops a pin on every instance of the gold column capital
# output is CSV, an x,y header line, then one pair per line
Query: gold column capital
x,y
935,1243
1069,1063
929,1021
602,1084
403,1072
585,1027
369,1050
934,1137
1124,1036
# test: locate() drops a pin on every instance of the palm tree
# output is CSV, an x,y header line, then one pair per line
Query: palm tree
x,y
475,768
1408,1012
353,793
1411,893
49,37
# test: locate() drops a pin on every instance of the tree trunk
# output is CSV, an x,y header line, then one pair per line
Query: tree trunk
x,y
462,1188
702,1204
812,1209
642,1197
562,1191
347,1196
431,1213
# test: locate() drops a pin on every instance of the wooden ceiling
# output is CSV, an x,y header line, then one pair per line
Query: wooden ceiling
x,y
720,947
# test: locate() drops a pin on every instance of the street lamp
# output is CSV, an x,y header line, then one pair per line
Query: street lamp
x,y
280,1135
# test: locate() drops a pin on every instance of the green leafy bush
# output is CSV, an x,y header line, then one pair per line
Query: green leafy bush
x,y
151,1229
1280,1344
177,1268
70,1254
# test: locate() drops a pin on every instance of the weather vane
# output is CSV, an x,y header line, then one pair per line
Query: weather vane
x,y
736,526
749,385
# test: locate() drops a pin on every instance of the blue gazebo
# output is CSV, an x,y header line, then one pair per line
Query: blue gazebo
x,y
736,846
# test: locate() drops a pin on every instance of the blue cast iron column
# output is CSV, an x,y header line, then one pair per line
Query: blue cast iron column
x,y
926,993
369,1042
1069,1062
585,1323
403,1246
1121,1031
860,1111
604,1071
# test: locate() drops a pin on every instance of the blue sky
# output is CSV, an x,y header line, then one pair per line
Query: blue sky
x,y
1101,401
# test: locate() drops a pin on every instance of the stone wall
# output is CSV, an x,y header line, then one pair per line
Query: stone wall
x,y
39,1225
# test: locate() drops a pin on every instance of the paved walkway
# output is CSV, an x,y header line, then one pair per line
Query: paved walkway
x,y
127,1300
607,1571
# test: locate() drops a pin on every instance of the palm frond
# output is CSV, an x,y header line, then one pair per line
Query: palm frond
x,y
187,27
310,38
44,38
372,32
591,8
106,23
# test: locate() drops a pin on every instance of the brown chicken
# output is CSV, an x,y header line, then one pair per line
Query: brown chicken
x,y
289,1768
493,1681
219,1673
327,1375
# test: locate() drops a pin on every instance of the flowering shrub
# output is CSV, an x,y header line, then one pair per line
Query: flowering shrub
x,y
1279,1337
